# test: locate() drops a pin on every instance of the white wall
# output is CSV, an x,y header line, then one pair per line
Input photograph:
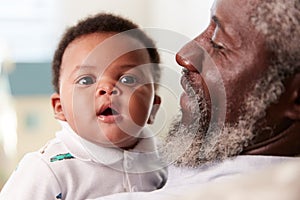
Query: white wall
x,y
186,17
31,28
70,11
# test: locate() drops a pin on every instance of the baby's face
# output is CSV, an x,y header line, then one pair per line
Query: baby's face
x,y
106,88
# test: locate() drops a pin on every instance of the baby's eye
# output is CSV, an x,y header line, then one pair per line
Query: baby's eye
x,y
87,80
128,80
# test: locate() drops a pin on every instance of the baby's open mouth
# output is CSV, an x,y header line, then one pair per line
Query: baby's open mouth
x,y
109,111
109,115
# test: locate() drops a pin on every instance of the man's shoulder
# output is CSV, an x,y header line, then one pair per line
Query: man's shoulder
x,y
221,170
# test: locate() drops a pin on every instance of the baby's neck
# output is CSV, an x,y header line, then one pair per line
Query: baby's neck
x,y
131,146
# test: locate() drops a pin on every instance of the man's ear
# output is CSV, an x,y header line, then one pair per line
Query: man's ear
x,y
155,107
293,88
57,108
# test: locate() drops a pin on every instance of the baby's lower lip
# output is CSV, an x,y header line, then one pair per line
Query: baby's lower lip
x,y
109,118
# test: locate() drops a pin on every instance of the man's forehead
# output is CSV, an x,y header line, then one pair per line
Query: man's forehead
x,y
236,12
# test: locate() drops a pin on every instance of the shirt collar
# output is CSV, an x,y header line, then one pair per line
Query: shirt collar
x,y
88,151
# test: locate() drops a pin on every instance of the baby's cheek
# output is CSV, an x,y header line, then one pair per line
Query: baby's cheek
x,y
140,107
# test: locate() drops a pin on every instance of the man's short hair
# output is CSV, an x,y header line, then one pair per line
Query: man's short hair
x,y
279,21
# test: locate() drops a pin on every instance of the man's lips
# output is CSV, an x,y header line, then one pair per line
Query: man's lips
x,y
193,84
192,79
184,99
185,108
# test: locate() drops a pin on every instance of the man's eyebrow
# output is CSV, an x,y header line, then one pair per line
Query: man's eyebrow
x,y
217,21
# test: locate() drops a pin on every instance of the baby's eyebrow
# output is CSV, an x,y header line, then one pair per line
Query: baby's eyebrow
x,y
83,68
128,66
92,68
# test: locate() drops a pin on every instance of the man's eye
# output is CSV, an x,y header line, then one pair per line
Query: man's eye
x,y
128,80
87,80
216,45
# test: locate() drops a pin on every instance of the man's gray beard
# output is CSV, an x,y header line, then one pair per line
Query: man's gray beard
x,y
191,145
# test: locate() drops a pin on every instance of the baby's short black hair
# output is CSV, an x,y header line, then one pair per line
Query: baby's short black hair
x,y
100,23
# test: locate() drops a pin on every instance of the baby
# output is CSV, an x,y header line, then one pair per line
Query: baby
x,y
104,75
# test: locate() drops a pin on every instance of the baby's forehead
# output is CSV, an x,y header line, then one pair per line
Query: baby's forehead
x,y
104,50
117,40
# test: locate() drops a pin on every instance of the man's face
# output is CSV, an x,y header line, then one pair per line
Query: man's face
x,y
230,56
106,90
236,50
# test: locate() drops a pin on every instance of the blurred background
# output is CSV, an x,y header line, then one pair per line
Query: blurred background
x,y
29,33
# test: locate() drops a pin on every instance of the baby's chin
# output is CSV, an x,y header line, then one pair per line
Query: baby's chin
x,y
120,140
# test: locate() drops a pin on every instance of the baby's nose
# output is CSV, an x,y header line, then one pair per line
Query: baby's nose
x,y
108,90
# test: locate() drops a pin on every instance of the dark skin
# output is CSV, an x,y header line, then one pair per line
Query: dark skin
x,y
241,62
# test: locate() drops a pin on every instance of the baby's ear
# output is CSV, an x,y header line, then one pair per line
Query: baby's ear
x,y
155,107
57,108
293,104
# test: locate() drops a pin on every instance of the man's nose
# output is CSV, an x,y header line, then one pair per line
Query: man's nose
x,y
191,57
